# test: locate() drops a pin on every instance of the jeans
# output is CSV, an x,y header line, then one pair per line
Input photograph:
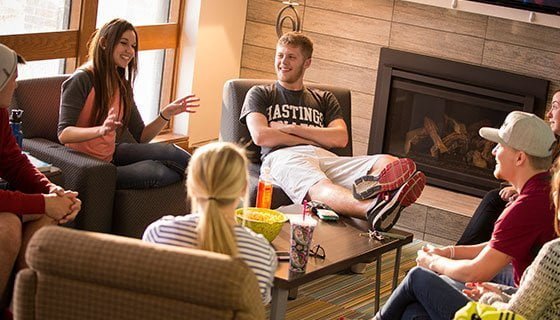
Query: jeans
x,y
481,225
423,295
505,276
149,165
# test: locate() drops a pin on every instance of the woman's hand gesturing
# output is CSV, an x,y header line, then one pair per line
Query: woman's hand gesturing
x,y
110,124
187,103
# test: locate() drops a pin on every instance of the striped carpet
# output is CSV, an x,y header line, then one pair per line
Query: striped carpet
x,y
349,295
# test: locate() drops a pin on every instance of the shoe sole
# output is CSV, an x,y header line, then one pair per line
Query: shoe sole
x,y
389,212
390,178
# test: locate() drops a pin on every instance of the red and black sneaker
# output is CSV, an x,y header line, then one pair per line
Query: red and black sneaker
x,y
390,178
386,213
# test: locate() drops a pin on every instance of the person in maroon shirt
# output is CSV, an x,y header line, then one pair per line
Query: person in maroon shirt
x,y
523,157
33,201
524,226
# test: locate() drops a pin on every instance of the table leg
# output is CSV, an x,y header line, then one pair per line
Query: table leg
x,y
396,269
292,295
279,303
377,284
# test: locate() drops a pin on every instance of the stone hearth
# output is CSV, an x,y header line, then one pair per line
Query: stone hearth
x,y
439,216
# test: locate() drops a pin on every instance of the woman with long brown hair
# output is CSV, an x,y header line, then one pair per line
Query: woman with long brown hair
x,y
97,110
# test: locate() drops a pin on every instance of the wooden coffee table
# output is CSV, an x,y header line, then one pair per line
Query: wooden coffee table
x,y
344,247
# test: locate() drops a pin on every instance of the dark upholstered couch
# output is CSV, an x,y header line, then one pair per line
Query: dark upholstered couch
x,y
104,208
232,130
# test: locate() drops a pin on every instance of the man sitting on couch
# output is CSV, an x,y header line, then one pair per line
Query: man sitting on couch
x,y
35,201
295,126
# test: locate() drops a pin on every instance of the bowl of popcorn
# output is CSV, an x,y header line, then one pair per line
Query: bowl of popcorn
x,y
267,222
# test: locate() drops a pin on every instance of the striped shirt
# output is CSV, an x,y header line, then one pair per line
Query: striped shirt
x,y
253,248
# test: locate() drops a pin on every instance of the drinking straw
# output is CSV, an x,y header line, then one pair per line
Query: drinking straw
x,y
245,216
304,212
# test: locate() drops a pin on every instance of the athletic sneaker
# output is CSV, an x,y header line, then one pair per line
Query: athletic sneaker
x,y
390,178
384,215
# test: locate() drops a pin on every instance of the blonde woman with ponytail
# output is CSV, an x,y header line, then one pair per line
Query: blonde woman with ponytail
x,y
216,182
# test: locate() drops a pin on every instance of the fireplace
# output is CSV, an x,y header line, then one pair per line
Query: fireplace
x,y
430,110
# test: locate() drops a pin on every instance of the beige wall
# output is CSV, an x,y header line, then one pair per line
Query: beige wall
x,y
211,46
349,34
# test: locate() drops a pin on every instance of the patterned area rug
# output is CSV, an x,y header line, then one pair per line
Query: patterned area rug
x,y
348,295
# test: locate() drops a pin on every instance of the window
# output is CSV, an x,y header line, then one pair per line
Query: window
x,y
52,35
26,16
147,88
41,68
137,12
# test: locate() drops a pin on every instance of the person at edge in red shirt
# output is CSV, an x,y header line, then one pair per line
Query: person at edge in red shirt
x,y
32,201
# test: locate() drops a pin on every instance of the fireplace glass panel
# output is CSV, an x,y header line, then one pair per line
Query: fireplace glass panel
x,y
438,128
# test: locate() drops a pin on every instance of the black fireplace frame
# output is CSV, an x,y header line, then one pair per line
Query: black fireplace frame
x,y
527,91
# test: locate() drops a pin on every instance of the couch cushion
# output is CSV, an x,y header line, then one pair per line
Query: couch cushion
x,y
40,100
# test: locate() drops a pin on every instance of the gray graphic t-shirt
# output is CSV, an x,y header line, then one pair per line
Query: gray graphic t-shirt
x,y
307,107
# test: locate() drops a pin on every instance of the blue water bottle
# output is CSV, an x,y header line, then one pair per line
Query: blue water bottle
x,y
15,123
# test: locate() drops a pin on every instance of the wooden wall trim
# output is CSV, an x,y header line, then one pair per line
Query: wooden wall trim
x,y
63,44
160,36
44,45
87,26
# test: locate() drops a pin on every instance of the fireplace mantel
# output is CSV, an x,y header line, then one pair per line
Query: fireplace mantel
x,y
543,19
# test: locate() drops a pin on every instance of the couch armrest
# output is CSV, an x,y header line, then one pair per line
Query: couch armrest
x,y
93,179
25,292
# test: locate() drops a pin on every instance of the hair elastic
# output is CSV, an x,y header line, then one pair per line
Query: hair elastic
x,y
164,118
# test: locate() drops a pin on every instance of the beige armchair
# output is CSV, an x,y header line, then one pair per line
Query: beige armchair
x,y
85,275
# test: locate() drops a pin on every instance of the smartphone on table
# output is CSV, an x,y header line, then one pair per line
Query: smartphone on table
x,y
327,215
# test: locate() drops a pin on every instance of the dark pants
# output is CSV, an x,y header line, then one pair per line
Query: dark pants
x,y
149,165
481,225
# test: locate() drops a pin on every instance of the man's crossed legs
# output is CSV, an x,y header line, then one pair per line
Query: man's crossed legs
x,y
376,187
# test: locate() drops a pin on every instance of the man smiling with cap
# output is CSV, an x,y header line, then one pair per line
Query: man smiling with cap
x,y
523,156
32,201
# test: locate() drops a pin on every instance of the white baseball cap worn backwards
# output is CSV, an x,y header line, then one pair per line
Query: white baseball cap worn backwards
x,y
524,132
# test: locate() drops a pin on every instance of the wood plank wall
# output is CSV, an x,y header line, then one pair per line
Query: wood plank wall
x,y
348,35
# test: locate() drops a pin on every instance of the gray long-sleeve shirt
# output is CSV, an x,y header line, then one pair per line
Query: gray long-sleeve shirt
x,y
75,91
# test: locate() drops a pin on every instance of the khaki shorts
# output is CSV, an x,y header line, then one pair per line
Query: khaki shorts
x,y
296,169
